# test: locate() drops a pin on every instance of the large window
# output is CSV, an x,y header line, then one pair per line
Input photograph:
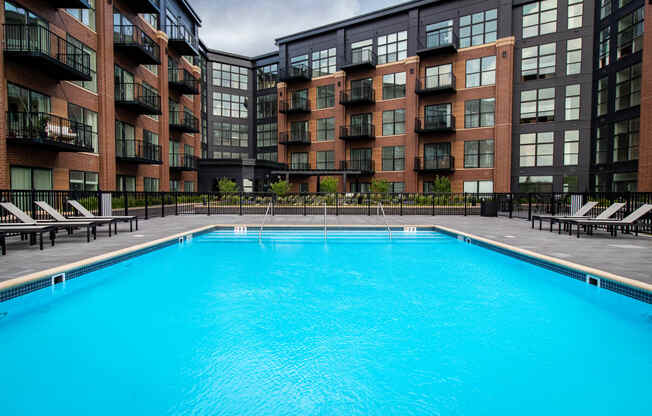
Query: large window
x,y
326,160
188,186
538,105
394,85
478,186
266,106
479,154
396,187
87,117
538,61
573,56
361,51
481,71
299,160
626,138
325,129
536,149
23,100
85,16
267,76
151,184
267,134
271,156
83,181
326,96
571,147
605,8
628,87
439,76
575,11
534,184
439,34
92,84
26,178
230,76
539,18
630,33
126,183
227,105
230,134
392,47
478,28
323,62
604,48
603,96
479,113
393,158
393,122
572,102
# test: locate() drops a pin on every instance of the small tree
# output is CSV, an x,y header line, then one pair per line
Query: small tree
x,y
280,188
328,185
380,186
227,186
441,185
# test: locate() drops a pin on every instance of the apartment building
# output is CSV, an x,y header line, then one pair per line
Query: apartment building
x,y
99,94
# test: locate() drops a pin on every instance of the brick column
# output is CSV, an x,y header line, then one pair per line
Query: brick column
x,y
411,110
645,136
196,101
4,162
282,122
340,120
164,118
503,127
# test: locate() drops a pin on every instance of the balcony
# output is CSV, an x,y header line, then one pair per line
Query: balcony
x,y
358,132
435,123
366,167
181,40
183,162
294,106
138,98
137,151
131,41
358,96
296,166
144,6
436,84
360,59
437,164
38,48
49,132
70,4
438,42
296,73
182,81
301,138
183,122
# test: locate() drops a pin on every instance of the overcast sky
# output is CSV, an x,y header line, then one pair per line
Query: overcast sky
x,y
249,27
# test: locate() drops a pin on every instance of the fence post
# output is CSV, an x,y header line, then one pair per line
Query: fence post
x,y
273,203
146,205
176,203
368,204
511,205
240,202
32,206
99,203
304,204
529,206
337,204
400,199
552,204
208,204
433,205
465,204
126,201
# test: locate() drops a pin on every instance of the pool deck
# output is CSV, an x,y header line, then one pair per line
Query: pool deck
x,y
626,256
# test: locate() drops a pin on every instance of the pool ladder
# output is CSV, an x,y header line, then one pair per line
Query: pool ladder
x,y
381,210
262,225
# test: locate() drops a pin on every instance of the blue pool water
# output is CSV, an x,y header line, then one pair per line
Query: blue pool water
x,y
421,325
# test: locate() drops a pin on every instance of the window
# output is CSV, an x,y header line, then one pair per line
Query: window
x,y
361,124
439,76
174,185
300,130
624,182
360,187
393,122
267,134
570,184
151,19
267,76
326,96
326,160
230,134
478,28
572,103
83,181
605,38
439,34
227,105
361,51
396,187
573,56
230,155
626,135
323,62
361,89
438,116
304,188
300,62
360,159
92,84
571,147
538,105
299,160
603,96
481,71
394,85
126,183
538,61
479,154
271,156
392,47
473,187
536,149
479,113
23,100
436,155
630,33
188,186
154,70
628,87
266,106
150,137
151,184
541,184
230,76
575,10
605,8
325,129
393,158
26,178
85,16
539,18
87,117
601,155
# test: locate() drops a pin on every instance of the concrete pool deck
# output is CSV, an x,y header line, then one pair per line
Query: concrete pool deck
x,y
625,256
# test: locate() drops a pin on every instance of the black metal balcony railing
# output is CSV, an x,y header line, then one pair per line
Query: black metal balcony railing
x,y
296,73
299,166
438,41
358,131
49,131
435,123
182,40
182,161
436,163
145,6
299,137
184,121
433,84
364,165
361,58
358,96
50,53
135,43
182,81
294,105
138,151
137,97
71,4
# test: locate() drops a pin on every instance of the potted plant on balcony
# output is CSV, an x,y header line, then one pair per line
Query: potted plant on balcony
x,y
42,126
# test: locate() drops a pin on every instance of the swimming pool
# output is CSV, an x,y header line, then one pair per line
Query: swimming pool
x,y
293,325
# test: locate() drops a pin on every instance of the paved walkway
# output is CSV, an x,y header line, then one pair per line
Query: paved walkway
x,y
626,256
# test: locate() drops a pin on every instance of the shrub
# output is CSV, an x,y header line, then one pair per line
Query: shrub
x,y
441,185
328,185
227,186
380,186
280,188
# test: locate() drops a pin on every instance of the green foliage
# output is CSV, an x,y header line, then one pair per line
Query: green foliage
x,y
380,186
328,185
280,188
227,186
441,185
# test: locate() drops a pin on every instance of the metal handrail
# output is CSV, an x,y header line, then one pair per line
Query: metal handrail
x,y
380,210
262,225
325,230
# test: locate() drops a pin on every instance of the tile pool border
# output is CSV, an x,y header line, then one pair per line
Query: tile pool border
x,y
622,285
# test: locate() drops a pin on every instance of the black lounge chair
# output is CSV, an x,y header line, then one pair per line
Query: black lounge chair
x,y
630,221
580,213
31,230
604,215
57,217
87,215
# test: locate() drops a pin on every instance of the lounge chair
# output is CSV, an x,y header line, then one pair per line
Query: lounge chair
x,y
57,217
69,226
604,215
629,221
86,214
580,213
31,230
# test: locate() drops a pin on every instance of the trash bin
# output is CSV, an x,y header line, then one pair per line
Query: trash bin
x,y
488,208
